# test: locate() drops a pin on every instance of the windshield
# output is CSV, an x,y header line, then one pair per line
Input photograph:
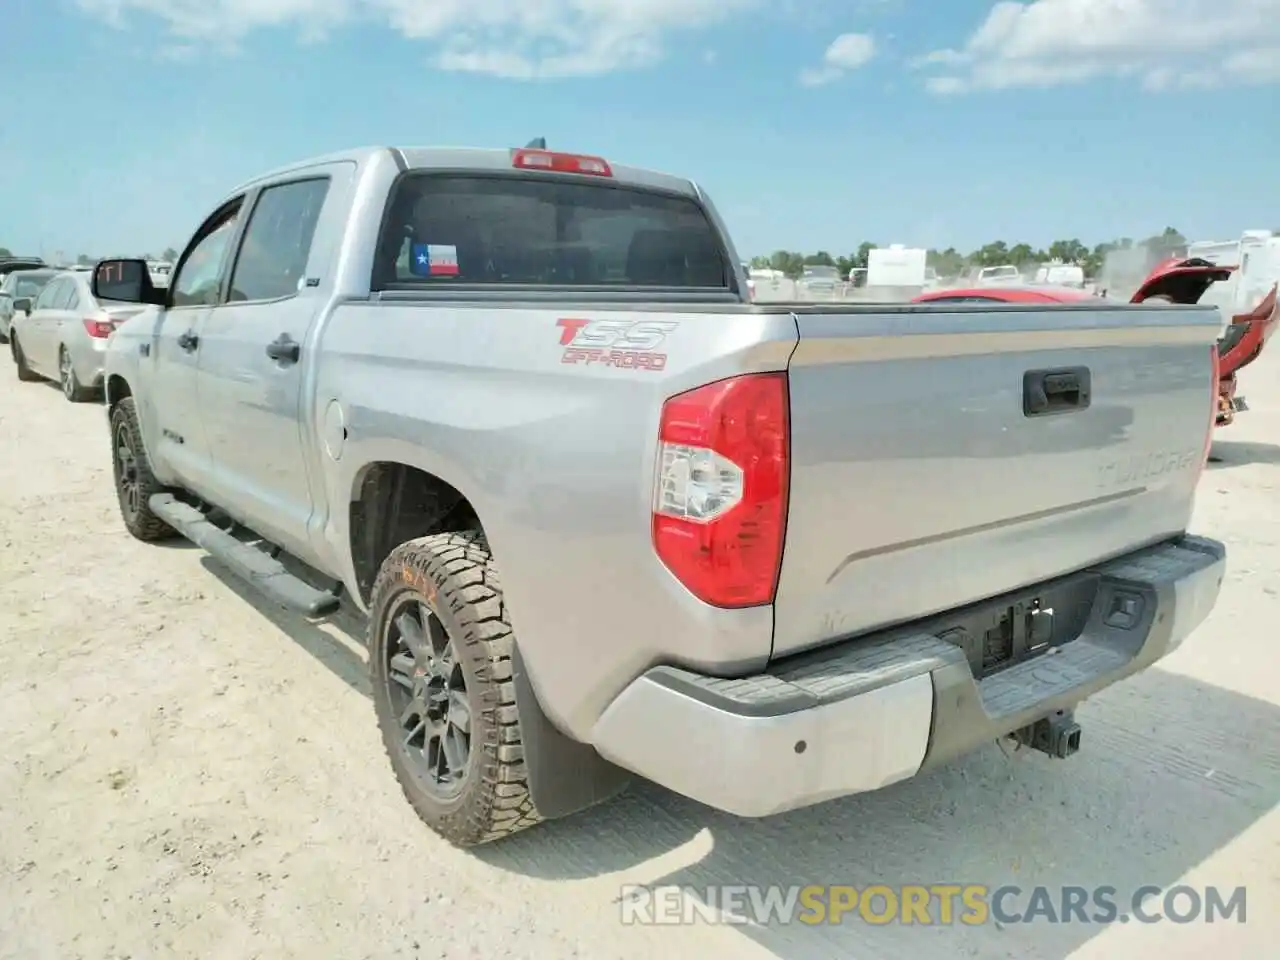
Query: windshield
x,y
443,229
1000,272
823,273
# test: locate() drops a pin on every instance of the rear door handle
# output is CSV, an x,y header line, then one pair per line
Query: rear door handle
x,y
284,349
1064,390
189,341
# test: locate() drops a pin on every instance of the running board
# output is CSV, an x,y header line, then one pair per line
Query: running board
x,y
244,560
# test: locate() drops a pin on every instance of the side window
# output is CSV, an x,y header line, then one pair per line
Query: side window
x,y
72,301
195,283
47,296
277,242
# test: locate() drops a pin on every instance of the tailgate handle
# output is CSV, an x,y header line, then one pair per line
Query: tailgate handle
x,y
1065,390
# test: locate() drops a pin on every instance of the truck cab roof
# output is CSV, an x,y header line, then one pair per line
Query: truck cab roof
x,y
469,159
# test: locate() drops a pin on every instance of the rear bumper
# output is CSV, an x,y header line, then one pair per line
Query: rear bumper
x,y
867,713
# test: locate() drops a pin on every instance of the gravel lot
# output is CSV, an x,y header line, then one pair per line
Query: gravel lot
x,y
188,772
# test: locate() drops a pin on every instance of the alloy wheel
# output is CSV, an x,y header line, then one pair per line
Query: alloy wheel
x,y
429,695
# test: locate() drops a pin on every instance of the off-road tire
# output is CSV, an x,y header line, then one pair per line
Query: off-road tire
x,y
144,525
455,576
25,373
75,391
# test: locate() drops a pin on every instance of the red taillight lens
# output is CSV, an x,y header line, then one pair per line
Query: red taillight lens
x,y
720,494
98,329
561,162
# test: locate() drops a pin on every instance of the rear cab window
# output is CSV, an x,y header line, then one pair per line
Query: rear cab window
x,y
540,230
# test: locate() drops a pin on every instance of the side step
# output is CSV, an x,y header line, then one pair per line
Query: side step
x,y
244,560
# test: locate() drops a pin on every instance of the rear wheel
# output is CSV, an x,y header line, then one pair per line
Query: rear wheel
x,y
440,648
72,388
25,373
135,483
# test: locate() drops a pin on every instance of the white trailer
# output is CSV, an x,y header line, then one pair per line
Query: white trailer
x,y
1256,257
897,266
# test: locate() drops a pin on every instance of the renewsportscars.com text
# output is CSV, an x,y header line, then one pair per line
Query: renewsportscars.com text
x,y
938,904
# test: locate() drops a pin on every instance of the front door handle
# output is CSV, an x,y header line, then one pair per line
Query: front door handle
x,y
189,341
284,349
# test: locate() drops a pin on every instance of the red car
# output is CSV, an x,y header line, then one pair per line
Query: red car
x,y
1176,280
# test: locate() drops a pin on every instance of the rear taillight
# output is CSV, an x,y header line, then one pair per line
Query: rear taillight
x,y
720,494
98,329
530,159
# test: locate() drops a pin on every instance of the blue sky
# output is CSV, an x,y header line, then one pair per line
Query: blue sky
x,y
814,125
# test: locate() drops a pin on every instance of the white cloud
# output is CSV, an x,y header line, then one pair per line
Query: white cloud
x,y
849,51
522,39
1161,44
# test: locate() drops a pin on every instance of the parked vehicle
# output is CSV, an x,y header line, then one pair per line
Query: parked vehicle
x,y
1001,276
1255,257
19,285
63,334
897,266
1062,274
609,519
9,264
1176,280
819,280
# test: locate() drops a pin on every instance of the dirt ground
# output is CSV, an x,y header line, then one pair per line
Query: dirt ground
x,y
187,772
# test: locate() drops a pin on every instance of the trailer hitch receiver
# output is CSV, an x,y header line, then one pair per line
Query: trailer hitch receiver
x,y
1058,735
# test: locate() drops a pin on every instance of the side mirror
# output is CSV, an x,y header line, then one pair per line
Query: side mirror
x,y
23,304
126,281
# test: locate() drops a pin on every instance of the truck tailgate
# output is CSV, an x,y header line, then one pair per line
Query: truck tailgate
x,y
922,480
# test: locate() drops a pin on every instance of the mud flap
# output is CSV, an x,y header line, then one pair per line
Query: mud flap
x,y
564,776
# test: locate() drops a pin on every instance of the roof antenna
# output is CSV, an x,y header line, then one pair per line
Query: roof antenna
x,y
537,143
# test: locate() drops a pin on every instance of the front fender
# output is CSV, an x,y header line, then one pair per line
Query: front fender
x,y
127,372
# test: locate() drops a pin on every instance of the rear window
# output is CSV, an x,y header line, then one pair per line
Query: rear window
x,y
540,231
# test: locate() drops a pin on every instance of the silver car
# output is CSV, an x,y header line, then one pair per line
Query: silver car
x,y
62,335
18,285
818,280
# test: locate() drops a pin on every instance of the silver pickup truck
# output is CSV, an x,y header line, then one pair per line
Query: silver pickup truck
x,y
609,519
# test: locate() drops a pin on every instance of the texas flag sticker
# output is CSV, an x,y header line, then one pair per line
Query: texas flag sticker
x,y
434,260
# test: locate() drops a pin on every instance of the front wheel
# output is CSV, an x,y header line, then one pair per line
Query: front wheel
x,y
135,483
25,373
440,648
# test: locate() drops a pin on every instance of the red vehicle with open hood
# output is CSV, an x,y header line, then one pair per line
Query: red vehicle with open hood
x,y
1176,280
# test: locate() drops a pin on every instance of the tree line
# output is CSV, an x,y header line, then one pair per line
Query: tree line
x,y
85,260
952,263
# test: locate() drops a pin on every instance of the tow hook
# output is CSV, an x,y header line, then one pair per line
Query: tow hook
x,y
1058,735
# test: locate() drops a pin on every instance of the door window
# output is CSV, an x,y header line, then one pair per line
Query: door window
x,y
72,299
195,283
277,242
48,295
